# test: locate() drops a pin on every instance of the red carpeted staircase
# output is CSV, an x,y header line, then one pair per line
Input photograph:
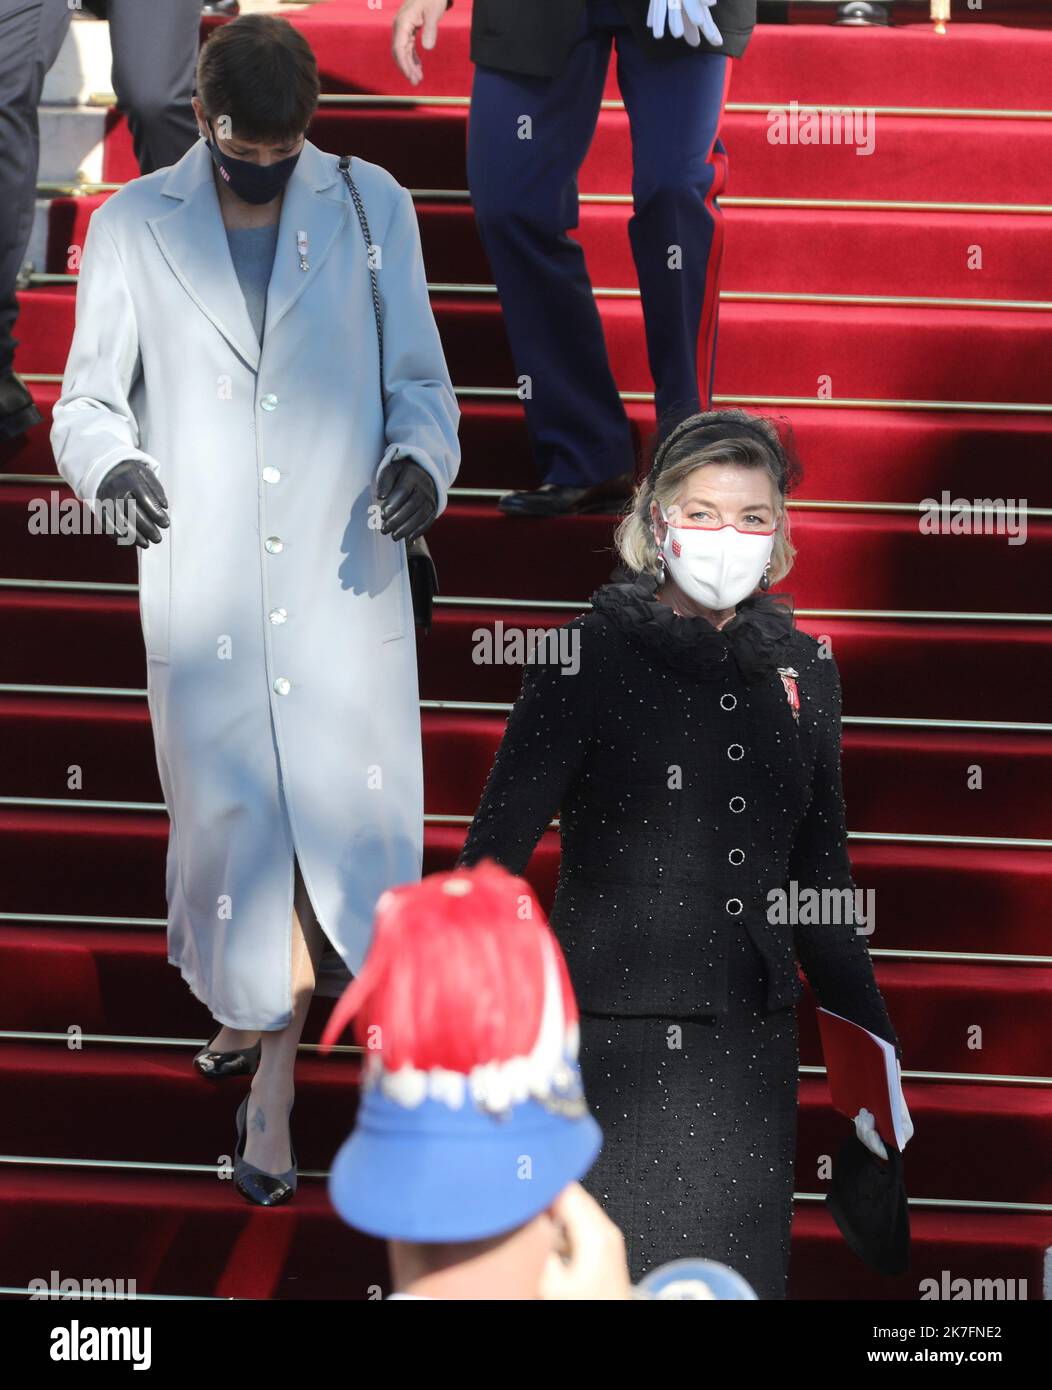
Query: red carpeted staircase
x,y
850,269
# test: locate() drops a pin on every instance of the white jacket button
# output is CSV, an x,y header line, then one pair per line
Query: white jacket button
x,y
271,475
273,545
278,616
282,686
269,402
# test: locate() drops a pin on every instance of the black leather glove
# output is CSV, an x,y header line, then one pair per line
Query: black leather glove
x,y
409,499
138,504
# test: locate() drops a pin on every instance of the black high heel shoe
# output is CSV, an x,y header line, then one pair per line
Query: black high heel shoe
x,y
265,1189
217,1065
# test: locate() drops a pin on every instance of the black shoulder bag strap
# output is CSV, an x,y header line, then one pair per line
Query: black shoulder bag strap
x,y
423,577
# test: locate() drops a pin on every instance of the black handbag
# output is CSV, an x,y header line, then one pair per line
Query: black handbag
x,y
423,577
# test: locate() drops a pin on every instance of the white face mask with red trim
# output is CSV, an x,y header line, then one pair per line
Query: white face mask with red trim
x,y
715,566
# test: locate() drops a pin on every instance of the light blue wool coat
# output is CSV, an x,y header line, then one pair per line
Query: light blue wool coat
x,y
277,618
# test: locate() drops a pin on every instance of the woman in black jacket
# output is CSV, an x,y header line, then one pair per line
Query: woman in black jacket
x,y
695,756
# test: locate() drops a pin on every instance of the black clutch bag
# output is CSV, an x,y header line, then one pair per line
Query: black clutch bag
x,y
423,581
423,577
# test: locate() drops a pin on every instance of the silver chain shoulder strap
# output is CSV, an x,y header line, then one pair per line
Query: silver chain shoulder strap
x,y
423,577
363,222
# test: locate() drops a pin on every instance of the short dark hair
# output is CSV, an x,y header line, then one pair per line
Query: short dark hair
x,y
261,73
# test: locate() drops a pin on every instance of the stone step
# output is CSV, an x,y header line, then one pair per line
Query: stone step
x,y
36,251
71,143
83,64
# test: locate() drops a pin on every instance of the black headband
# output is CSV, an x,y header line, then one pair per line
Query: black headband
x,y
721,429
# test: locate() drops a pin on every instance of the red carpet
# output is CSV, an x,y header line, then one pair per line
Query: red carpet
x,y
926,397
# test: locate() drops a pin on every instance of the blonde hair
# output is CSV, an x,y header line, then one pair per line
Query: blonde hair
x,y
750,441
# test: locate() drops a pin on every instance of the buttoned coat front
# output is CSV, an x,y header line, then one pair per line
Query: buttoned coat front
x,y
277,618
689,794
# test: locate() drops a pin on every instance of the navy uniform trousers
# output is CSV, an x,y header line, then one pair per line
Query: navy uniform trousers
x,y
525,197
154,56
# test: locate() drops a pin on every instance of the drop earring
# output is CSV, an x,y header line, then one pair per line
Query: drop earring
x,y
660,572
765,578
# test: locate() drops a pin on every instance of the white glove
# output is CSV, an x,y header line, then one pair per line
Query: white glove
x,y
698,23
866,1126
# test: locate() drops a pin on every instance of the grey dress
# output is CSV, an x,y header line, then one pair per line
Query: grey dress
x,y
252,251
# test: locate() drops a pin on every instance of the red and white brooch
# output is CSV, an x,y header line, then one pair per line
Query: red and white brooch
x,y
792,692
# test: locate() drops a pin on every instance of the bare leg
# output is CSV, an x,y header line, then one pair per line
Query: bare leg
x,y
233,1040
270,1100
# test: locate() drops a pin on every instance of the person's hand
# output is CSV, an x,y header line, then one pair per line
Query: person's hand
x,y
414,16
866,1125
135,504
408,498
687,19
589,1261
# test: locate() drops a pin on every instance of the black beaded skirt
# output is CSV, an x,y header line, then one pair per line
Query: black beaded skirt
x,y
699,1130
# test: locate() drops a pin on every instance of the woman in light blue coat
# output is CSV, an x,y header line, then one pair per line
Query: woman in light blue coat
x,y
223,392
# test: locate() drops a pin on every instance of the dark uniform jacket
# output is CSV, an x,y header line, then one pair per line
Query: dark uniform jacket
x,y
534,36
688,791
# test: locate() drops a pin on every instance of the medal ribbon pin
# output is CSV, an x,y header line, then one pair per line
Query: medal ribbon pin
x,y
792,692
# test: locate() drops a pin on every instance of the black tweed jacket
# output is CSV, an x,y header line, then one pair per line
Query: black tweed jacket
x,y
688,792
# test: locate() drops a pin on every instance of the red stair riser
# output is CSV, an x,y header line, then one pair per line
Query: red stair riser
x,y
911,158
949,898
802,350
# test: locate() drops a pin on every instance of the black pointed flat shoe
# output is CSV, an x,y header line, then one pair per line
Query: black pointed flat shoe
x,y
217,1065
264,1189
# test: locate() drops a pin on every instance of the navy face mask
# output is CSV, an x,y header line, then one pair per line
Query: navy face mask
x,y
255,183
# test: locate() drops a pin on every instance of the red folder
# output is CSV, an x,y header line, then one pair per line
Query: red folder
x,y
862,1071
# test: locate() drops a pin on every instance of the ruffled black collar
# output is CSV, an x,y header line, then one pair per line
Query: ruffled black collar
x,y
757,638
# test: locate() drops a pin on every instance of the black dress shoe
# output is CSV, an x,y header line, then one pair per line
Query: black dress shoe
x,y
217,1065
564,499
17,411
264,1189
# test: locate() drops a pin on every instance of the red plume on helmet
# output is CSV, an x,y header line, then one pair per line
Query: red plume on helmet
x,y
457,976
471,1082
